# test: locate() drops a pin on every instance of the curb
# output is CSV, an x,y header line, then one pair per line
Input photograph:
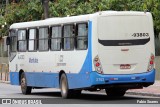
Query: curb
x,y
7,82
143,94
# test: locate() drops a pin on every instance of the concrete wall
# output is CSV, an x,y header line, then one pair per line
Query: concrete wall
x,y
3,60
4,74
157,61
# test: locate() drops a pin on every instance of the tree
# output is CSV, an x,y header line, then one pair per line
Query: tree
x,y
30,10
46,8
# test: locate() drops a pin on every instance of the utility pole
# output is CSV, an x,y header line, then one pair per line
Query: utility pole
x,y
46,8
7,2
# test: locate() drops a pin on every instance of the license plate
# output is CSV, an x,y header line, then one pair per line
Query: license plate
x,y
125,66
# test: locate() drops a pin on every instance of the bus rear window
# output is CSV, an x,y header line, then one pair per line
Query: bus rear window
x,y
123,30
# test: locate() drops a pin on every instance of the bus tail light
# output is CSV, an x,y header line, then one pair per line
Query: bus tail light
x,y
151,63
97,65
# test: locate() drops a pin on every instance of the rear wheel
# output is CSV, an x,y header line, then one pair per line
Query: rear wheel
x,y
65,91
24,88
115,92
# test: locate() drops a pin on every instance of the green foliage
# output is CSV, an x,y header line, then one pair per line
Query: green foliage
x,y
76,7
30,10
24,11
2,30
20,12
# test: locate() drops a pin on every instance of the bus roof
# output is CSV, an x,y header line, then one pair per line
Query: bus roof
x,y
71,19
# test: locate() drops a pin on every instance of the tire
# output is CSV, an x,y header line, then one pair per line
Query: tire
x,y
65,91
24,88
115,92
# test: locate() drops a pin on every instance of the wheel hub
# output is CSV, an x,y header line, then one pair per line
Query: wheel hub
x,y
64,88
23,83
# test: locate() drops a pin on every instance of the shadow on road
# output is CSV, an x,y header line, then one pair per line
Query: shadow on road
x,y
86,96
49,94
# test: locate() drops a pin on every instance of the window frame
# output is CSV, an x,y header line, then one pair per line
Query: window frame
x,y
26,39
74,29
76,36
36,39
16,37
48,38
51,38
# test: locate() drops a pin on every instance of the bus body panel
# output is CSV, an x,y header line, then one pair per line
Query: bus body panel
x,y
42,68
125,40
145,77
14,78
48,74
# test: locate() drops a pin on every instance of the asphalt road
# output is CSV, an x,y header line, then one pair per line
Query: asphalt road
x,y
52,96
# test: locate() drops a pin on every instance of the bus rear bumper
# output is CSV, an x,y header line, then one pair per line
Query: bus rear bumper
x,y
130,81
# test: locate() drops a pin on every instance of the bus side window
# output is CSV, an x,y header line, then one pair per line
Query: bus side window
x,y
13,40
22,43
56,38
68,37
43,39
32,46
82,36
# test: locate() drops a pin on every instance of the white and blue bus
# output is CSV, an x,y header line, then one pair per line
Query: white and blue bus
x,y
106,50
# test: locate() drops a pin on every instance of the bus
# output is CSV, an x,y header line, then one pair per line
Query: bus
x,y
108,50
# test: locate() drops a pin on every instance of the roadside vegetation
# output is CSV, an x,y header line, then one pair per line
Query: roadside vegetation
x,y
31,10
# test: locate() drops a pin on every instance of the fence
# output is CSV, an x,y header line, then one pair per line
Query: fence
x,y
3,53
4,72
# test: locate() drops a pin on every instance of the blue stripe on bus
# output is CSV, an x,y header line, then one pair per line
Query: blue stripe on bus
x,y
90,45
14,78
41,79
147,77
36,79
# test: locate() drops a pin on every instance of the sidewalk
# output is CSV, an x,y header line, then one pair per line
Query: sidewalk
x,y
7,82
153,90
